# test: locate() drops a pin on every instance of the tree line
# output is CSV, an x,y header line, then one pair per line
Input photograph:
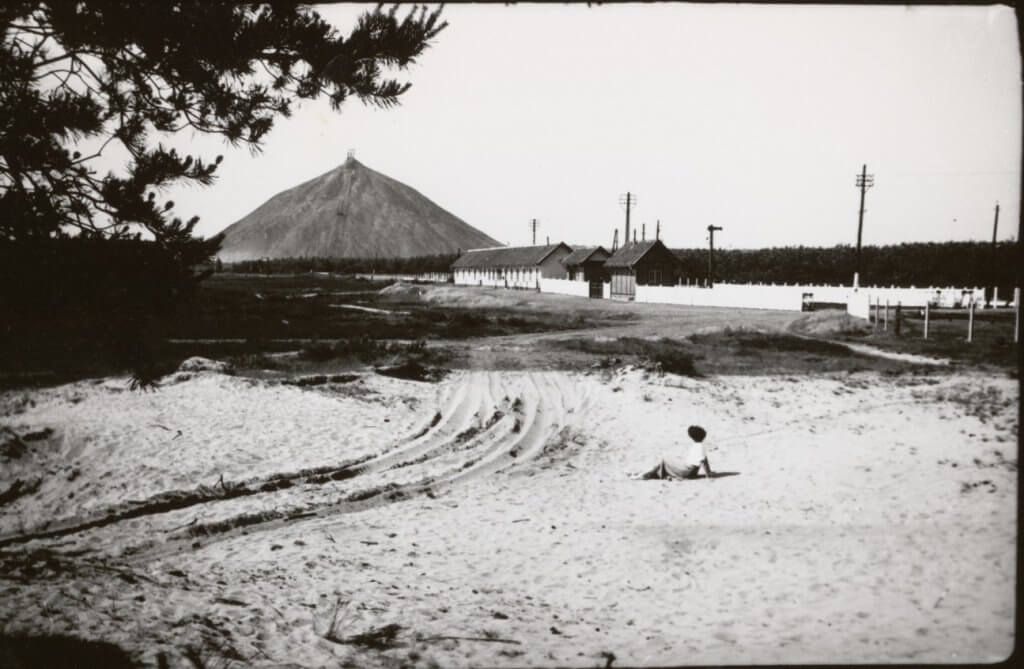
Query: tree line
x,y
415,265
917,264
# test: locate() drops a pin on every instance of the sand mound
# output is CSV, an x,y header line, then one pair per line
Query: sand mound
x,y
402,290
199,364
832,321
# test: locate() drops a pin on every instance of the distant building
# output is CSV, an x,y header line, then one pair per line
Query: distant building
x,y
587,263
647,263
511,266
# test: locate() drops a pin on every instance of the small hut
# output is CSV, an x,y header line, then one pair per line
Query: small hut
x,y
647,263
587,263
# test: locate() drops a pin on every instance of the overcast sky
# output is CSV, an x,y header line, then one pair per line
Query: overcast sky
x,y
755,118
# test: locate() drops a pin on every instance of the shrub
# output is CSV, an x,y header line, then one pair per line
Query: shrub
x,y
675,361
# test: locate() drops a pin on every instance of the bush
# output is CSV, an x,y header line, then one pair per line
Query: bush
x,y
675,361
668,355
318,352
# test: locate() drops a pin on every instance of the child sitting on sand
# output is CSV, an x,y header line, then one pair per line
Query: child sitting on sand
x,y
697,456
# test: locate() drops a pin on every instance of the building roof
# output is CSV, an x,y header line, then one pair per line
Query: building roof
x,y
506,256
631,253
583,254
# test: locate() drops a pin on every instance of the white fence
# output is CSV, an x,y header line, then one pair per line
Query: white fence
x,y
434,277
909,297
565,287
860,302
743,296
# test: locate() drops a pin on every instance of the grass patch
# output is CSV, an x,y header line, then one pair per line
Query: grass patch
x,y
772,341
414,370
947,337
666,355
728,352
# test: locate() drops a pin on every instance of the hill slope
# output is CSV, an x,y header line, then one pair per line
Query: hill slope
x,y
349,212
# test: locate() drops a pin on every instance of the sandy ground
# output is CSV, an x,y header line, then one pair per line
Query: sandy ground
x,y
492,520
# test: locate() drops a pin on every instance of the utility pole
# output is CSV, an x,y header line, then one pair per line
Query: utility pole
x,y
615,241
711,254
628,201
864,182
643,233
533,227
990,295
657,230
634,235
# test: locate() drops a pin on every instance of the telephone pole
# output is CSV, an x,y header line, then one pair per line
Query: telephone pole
x,y
864,182
991,292
615,241
628,201
711,254
657,230
533,227
643,233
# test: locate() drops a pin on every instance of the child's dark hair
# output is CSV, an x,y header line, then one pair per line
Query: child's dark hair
x,y
696,432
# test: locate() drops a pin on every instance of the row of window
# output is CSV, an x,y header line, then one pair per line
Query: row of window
x,y
501,273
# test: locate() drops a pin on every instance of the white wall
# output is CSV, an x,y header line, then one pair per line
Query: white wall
x,y
436,277
859,305
908,297
742,296
918,297
565,287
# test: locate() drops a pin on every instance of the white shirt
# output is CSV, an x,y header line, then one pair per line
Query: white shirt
x,y
698,452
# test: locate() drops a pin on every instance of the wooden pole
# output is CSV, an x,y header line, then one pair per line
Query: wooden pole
x,y
1016,315
925,320
885,322
970,321
874,323
899,306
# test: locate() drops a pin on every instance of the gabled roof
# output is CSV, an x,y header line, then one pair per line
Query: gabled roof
x,y
506,256
583,254
631,253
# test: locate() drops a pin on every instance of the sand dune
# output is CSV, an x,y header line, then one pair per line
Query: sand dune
x,y
493,521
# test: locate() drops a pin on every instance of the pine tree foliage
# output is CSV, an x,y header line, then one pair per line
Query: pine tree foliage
x,y
130,73
94,254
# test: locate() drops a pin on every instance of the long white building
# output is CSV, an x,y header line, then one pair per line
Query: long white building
x,y
511,266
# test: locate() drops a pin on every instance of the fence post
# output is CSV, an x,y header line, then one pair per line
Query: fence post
x,y
925,320
970,321
1016,314
885,322
899,306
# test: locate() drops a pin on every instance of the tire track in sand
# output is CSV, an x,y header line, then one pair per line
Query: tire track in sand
x,y
512,418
